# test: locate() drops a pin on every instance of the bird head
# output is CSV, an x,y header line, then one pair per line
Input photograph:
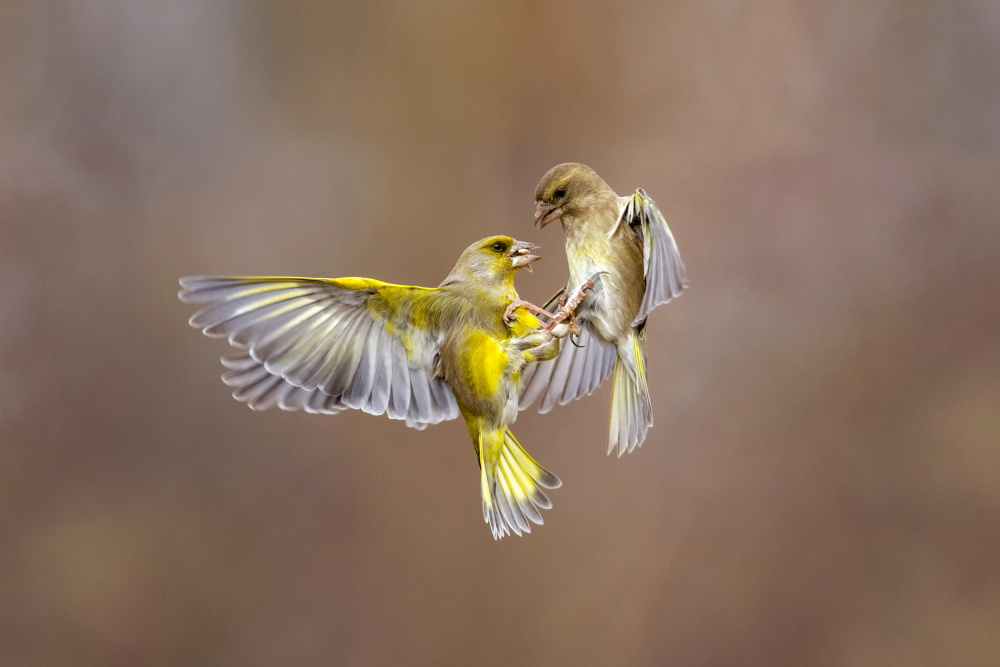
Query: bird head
x,y
493,261
565,191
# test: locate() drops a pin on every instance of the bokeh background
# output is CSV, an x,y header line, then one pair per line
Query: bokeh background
x,y
822,486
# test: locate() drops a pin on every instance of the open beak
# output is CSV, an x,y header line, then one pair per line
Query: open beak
x,y
546,213
521,254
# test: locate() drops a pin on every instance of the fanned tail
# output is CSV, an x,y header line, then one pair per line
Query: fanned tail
x,y
511,484
631,408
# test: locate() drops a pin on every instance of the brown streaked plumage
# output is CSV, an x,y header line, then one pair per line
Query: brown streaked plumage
x,y
628,240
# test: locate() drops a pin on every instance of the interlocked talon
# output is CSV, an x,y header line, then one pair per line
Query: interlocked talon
x,y
572,328
568,307
517,303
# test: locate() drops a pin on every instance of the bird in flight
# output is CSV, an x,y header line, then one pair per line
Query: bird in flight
x,y
420,354
624,245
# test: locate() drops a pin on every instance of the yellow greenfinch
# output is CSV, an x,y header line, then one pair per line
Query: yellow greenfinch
x,y
416,353
626,247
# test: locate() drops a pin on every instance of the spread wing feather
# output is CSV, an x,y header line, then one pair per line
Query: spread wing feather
x,y
327,345
575,372
260,389
665,274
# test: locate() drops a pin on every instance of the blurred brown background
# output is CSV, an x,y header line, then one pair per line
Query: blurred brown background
x,y
822,486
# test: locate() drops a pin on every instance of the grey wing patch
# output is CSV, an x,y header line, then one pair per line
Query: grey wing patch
x,y
431,402
259,389
254,385
665,274
575,372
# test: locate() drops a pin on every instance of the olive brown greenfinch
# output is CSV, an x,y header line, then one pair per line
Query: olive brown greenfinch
x,y
415,353
627,242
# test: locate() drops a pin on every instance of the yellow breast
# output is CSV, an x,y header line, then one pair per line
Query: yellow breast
x,y
482,364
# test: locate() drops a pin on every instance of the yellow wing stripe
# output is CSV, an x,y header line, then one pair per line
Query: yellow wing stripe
x,y
483,480
640,365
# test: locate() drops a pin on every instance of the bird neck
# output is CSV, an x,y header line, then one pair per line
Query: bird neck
x,y
587,246
483,294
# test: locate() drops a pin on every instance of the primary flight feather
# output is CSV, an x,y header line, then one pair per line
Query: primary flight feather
x,y
420,354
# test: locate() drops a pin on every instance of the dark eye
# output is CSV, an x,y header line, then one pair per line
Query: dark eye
x,y
499,247
560,192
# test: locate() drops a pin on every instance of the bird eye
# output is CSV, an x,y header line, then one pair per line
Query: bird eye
x,y
499,247
560,192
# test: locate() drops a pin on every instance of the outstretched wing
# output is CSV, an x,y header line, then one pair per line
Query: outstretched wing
x,y
665,275
328,345
576,372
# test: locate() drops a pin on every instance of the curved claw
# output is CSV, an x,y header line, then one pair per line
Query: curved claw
x,y
508,315
569,306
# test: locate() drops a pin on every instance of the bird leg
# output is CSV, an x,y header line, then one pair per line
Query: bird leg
x,y
517,303
569,303
566,310
570,327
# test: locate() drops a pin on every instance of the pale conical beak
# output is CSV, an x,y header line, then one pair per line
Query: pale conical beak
x,y
546,213
521,254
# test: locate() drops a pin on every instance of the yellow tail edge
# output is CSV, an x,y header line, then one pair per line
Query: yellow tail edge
x,y
631,407
511,484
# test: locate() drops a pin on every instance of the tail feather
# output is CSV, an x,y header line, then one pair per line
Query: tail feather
x,y
631,407
512,484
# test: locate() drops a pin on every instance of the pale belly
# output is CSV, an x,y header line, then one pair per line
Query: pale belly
x,y
602,311
607,310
